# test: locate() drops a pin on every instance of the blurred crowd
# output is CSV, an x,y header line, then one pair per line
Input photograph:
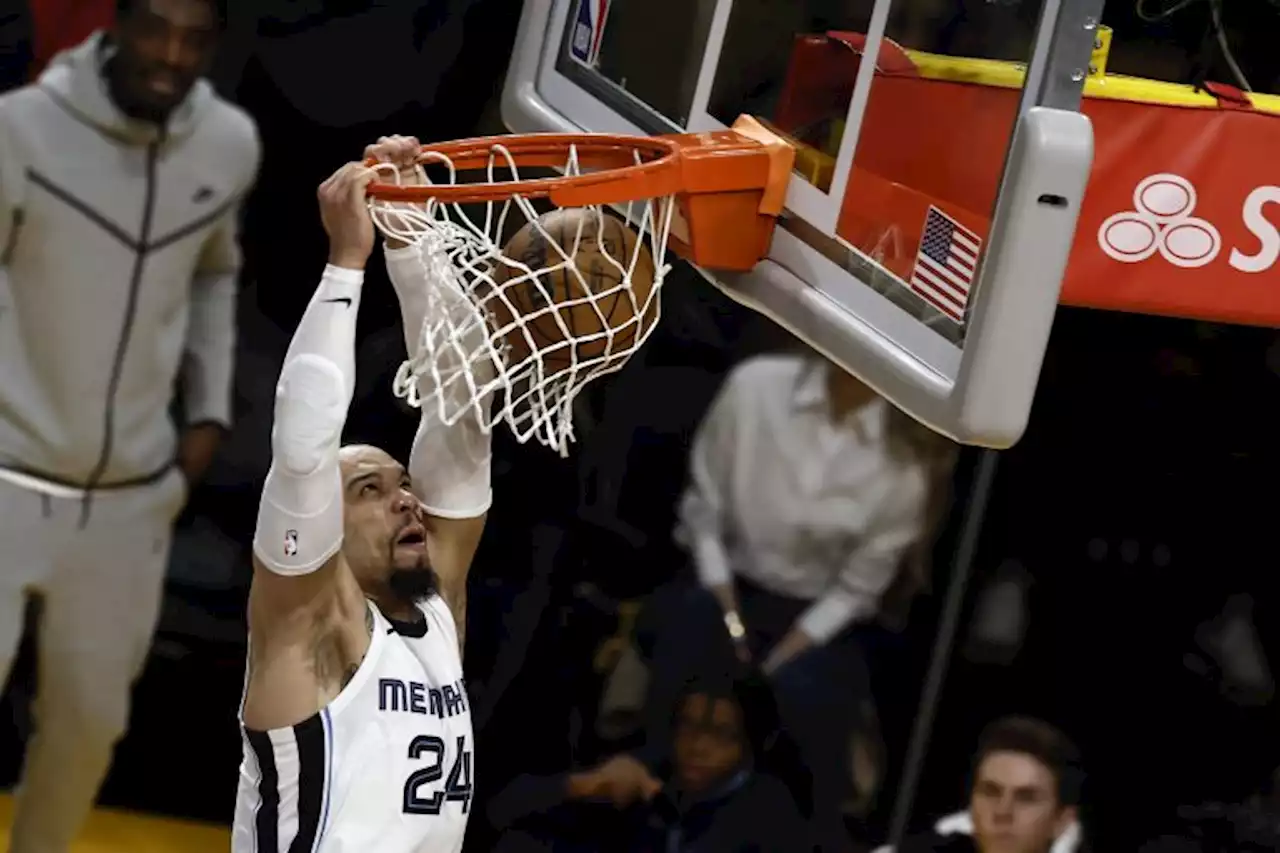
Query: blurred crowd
x,y
710,629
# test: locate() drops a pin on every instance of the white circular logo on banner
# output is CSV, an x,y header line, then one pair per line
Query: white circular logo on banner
x,y
1161,221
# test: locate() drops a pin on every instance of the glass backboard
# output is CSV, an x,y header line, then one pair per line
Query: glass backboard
x,y
935,195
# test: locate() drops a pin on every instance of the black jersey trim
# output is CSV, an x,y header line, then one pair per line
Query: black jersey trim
x,y
310,737
309,775
414,629
266,820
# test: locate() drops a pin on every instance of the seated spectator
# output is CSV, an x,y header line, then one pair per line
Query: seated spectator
x,y
808,494
715,797
1026,787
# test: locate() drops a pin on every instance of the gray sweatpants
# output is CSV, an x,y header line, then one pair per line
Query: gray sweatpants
x,y
101,588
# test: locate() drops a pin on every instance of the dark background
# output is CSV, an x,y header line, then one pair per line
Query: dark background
x,y
1140,501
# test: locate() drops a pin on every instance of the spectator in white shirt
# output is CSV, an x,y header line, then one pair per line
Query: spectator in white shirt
x,y
807,492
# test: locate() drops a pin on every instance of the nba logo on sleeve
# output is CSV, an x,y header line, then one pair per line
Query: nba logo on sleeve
x,y
588,30
290,543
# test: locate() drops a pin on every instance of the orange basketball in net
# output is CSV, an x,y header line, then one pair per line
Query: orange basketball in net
x,y
575,303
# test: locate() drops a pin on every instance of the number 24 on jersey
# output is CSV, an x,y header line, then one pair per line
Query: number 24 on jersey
x,y
421,793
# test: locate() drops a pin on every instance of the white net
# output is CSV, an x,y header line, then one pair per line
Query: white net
x,y
524,309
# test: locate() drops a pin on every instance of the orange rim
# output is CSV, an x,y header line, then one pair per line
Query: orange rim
x,y
619,178
728,186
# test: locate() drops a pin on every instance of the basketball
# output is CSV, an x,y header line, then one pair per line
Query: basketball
x,y
589,302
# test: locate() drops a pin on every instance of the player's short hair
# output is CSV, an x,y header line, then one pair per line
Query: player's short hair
x,y
1037,739
125,7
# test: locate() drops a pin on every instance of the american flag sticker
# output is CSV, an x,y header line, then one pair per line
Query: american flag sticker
x,y
946,264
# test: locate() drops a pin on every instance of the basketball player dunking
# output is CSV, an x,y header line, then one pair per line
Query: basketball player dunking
x,y
357,729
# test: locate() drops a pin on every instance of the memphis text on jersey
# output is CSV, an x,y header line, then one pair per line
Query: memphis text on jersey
x,y
414,697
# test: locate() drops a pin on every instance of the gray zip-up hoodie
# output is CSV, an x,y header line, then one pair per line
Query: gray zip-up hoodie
x,y
118,267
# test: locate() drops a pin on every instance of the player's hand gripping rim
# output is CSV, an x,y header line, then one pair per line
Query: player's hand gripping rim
x,y
398,156
345,215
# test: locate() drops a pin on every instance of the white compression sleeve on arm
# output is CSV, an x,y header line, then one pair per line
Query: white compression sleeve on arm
x,y
300,515
450,465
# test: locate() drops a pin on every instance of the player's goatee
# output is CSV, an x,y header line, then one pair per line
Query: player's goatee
x,y
414,585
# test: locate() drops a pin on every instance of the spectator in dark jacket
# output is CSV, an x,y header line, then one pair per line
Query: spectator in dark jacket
x,y
715,798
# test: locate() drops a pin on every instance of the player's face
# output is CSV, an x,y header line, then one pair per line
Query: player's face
x,y
162,48
1015,806
708,741
385,528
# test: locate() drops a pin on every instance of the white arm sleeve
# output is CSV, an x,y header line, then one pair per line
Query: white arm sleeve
x,y
450,465
300,515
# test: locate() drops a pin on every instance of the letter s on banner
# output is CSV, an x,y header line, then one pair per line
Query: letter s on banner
x,y
1268,235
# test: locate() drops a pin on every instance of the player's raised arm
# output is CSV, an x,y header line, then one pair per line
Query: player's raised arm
x,y
449,464
299,530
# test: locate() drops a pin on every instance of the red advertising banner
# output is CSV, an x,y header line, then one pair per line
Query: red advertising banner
x,y
1182,212
62,24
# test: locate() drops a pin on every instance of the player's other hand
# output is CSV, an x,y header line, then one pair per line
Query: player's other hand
x,y
622,780
345,214
399,151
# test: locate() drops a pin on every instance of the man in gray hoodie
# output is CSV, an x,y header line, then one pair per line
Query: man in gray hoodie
x,y
121,174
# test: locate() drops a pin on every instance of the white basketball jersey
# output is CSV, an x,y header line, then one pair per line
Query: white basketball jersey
x,y
386,767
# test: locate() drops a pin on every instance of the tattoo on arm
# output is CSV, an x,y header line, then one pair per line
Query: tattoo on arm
x,y
327,662
355,667
334,662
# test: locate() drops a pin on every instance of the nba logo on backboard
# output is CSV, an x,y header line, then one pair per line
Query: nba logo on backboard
x,y
290,543
588,30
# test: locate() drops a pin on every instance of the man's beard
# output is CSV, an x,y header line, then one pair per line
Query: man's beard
x,y
411,586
